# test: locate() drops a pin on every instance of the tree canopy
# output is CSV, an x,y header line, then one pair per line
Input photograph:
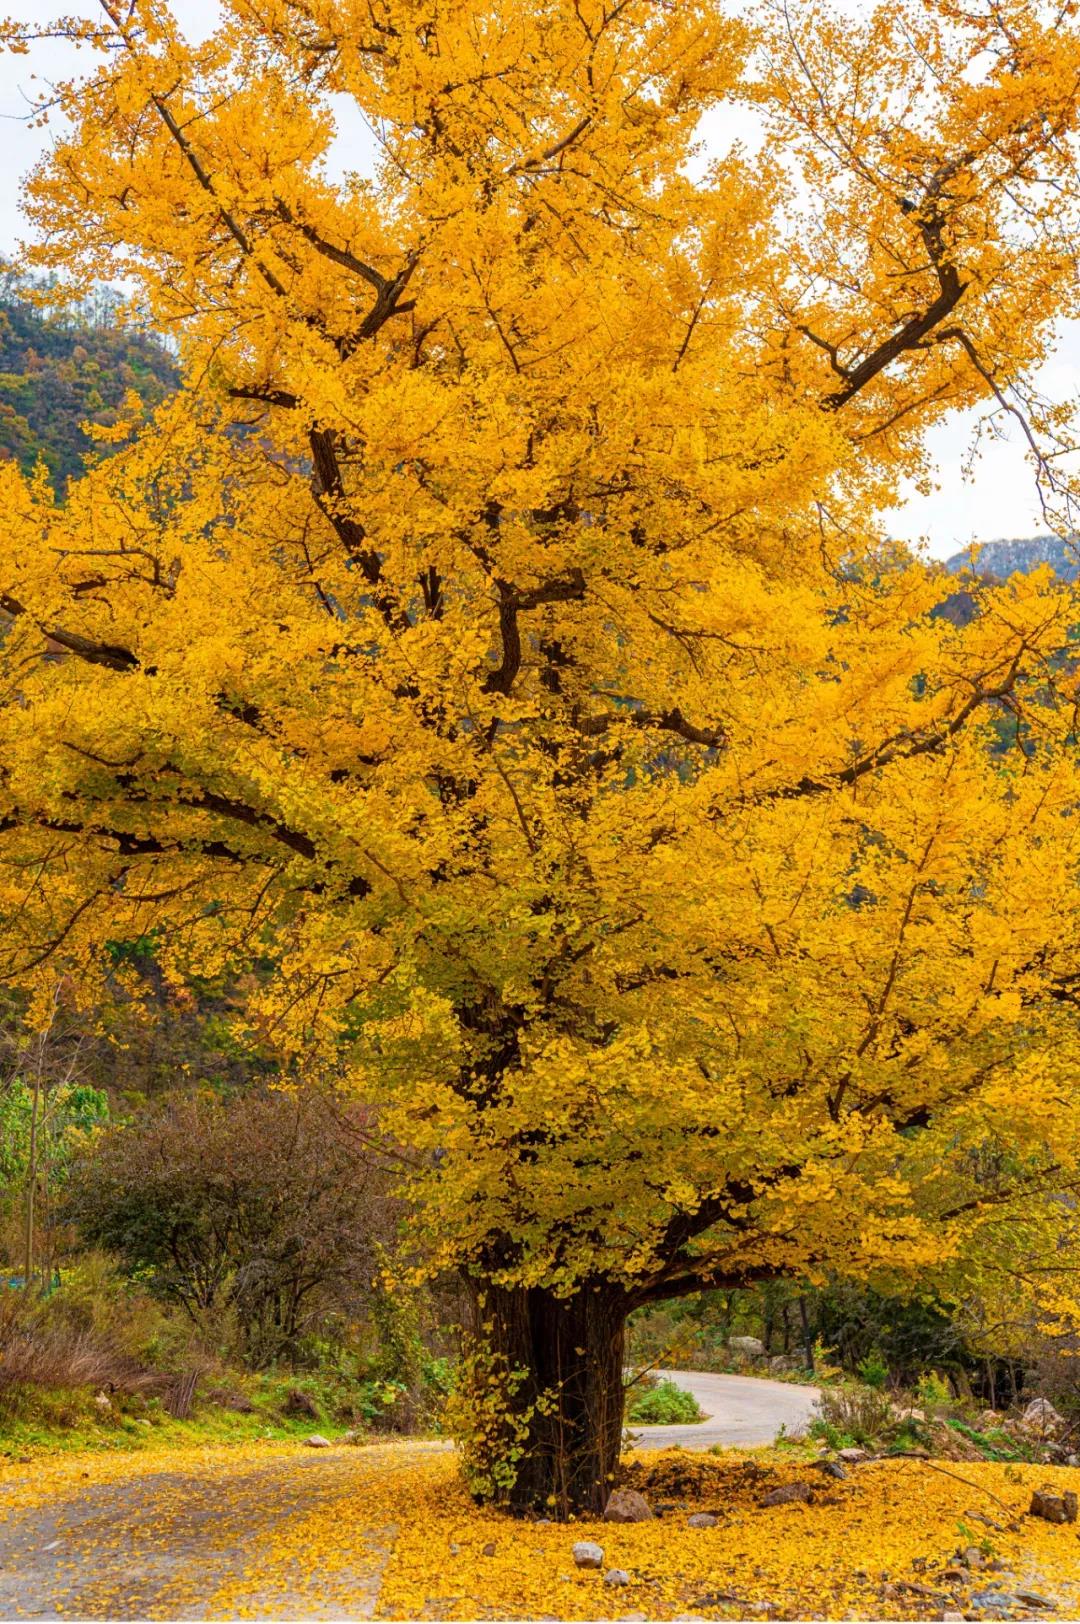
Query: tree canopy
x,y
530,696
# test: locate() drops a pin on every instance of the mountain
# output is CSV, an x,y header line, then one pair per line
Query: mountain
x,y
59,370
997,560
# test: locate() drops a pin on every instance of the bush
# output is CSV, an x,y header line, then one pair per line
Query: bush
x,y
851,1414
260,1215
663,1405
42,1346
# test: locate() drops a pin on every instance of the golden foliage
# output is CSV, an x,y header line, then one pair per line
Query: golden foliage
x,y
271,1536
525,688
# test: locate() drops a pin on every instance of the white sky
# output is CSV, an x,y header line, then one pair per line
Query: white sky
x,y
999,501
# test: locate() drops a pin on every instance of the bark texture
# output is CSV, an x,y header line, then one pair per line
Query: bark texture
x,y
572,1349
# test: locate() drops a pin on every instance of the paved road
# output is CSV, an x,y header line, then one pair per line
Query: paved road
x,y
742,1410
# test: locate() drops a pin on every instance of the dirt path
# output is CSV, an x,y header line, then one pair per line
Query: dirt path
x,y
742,1411
177,1541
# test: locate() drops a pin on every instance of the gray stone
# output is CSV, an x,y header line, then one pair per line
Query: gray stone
x,y
1053,1507
852,1454
750,1347
991,1601
1041,1417
586,1554
317,1441
1030,1598
832,1468
788,1494
973,1558
616,1576
627,1506
702,1519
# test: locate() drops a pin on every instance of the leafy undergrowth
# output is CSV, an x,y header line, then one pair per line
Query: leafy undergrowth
x,y
39,1421
877,1545
663,1404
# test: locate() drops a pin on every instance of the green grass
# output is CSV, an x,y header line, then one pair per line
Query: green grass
x,y
663,1405
37,1420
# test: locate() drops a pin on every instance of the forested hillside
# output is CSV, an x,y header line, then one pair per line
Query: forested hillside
x,y
61,370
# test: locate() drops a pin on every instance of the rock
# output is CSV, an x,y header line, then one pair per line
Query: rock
x,y
488,1549
1041,1417
973,1558
1054,1507
1072,1460
455,1550
297,1402
103,1402
627,1506
832,1468
631,1618
588,1555
749,1347
781,1363
317,1441
952,1618
702,1519
616,1576
1029,1598
991,1601
788,1494
852,1454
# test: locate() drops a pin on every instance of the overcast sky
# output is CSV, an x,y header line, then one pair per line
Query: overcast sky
x,y
999,501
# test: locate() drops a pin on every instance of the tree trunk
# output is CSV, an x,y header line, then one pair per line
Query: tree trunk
x,y
572,1349
31,1187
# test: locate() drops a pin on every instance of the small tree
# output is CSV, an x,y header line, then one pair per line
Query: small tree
x,y
267,1210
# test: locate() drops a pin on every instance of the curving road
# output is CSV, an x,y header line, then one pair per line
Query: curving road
x,y
742,1410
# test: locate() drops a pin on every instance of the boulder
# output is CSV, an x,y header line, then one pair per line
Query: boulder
x,y
297,1402
789,1494
317,1441
748,1347
1054,1507
702,1519
852,1454
587,1554
616,1576
627,1506
1040,1417
781,1363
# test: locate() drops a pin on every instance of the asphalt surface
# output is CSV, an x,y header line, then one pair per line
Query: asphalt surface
x,y
741,1410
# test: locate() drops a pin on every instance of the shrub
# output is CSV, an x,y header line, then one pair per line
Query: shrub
x,y
259,1214
873,1370
40,1347
663,1404
851,1414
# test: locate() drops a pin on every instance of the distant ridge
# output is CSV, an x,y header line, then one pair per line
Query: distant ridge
x,y
997,560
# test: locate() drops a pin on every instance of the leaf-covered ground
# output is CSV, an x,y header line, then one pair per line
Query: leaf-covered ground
x,y
279,1531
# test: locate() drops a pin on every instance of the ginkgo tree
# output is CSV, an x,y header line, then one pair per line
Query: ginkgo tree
x,y
493,658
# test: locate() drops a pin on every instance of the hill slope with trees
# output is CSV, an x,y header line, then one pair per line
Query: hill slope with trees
x,y
60,370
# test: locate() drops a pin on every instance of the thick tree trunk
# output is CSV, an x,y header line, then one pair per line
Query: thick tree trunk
x,y
572,1348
